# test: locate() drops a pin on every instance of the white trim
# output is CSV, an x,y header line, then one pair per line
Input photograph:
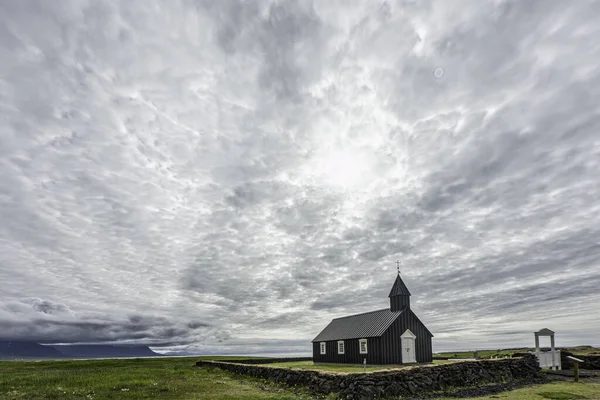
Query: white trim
x,y
409,348
323,347
408,335
360,346
343,347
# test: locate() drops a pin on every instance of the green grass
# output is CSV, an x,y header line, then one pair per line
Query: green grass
x,y
179,378
226,358
481,353
551,391
580,350
311,365
341,368
561,396
584,350
157,378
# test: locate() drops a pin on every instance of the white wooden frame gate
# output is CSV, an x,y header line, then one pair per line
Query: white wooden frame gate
x,y
547,359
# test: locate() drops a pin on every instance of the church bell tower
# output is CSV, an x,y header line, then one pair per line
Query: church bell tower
x,y
399,295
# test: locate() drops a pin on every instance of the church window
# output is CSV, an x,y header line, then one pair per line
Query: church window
x,y
363,346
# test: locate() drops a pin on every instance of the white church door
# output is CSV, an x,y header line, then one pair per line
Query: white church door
x,y
408,347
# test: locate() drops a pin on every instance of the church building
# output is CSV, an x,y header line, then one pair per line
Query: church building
x,y
393,335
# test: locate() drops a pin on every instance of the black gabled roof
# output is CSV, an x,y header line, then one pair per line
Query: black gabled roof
x,y
370,324
399,288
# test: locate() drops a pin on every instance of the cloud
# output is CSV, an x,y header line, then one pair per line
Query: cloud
x,y
45,321
229,176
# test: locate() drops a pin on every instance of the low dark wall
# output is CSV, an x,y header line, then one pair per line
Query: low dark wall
x,y
589,362
566,363
405,382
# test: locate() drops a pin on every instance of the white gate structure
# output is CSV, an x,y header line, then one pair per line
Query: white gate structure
x,y
547,359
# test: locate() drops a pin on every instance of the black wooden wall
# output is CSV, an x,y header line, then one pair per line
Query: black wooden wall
x,y
381,350
398,303
352,352
391,342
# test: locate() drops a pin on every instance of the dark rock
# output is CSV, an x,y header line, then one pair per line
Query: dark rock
x,y
590,362
412,387
565,362
426,381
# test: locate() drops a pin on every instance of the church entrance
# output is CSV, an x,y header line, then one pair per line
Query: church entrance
x,y
408,347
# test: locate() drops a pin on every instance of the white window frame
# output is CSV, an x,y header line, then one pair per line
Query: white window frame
x,y
343,347
360,346
323,348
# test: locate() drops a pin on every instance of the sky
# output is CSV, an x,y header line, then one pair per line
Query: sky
x,y
227,177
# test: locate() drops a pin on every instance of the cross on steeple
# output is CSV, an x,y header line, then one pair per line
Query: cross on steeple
x,y
399,295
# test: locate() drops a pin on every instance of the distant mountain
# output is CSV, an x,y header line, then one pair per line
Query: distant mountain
x,y
10,350
103,350
16,349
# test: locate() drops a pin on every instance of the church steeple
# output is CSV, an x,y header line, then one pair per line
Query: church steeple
x,y
399,295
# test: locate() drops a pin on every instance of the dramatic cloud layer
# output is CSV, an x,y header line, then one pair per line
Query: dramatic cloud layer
x,y
228,176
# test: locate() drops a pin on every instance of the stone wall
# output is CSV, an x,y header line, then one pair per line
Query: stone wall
x,y
566,363
589,362
402,382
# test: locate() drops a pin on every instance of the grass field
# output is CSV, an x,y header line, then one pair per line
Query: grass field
x,y
150,378
550,391
178,378
341,368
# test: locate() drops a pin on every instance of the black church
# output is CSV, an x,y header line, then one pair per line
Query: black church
x,y
390,336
